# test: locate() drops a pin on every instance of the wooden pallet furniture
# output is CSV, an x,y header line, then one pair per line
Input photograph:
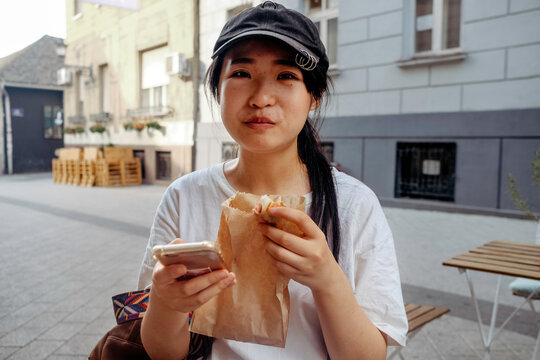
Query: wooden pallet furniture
x,y
57,170
131,172
108,173
418,316
118,168
73,173
116,153
87,166
65,169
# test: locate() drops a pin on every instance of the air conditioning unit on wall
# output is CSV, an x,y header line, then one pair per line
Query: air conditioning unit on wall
x,y
63,76
177,64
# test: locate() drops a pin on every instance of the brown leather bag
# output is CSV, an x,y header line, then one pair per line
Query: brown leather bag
x,y
123,342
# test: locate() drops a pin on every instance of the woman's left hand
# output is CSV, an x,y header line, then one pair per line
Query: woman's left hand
x,y
307,259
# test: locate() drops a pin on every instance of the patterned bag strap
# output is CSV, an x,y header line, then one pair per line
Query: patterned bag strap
x,y
132,306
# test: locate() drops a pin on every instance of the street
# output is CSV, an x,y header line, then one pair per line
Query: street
x,y
65,250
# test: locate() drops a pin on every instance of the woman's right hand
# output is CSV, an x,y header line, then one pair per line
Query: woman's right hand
x,y
187,295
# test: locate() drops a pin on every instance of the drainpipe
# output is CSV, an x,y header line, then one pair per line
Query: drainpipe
x,y
9,137
196,78
2,155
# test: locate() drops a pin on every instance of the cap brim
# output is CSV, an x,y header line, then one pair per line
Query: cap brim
x,y
289,41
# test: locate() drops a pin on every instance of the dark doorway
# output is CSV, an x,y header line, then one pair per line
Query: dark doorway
x,y
36,128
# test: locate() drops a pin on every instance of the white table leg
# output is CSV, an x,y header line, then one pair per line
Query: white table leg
x,y
491,336
537,343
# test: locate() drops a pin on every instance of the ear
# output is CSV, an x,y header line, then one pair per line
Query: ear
x,y
314,104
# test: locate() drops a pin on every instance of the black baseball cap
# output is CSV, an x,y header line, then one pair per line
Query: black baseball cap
x,y
276,21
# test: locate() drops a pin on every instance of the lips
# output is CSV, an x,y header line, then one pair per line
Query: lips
x,y
259,122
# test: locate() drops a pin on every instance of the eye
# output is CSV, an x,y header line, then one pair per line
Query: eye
x,y
240,74
287,76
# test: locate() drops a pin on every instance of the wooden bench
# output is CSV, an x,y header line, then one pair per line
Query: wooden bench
x,y
418,316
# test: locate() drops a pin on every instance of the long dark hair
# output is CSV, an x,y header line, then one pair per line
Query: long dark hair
x,y
324,208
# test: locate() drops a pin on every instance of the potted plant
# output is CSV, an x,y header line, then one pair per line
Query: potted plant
x,y
74,130
135,125
519,202
98,128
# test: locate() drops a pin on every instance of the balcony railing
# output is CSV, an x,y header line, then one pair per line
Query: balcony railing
x,y
103,117
145,112
76,120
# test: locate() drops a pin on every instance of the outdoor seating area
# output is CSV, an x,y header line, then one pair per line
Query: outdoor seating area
x,y
502,258
90,166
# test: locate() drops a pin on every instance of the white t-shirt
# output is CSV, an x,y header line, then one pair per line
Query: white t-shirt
x,y
191,209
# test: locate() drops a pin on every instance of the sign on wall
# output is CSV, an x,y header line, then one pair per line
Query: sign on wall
x,y
17,112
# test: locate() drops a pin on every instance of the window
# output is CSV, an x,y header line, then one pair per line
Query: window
x,y
104,89
229,151
154,78
324,14
52,122
77,7
437,25
426,170
163,168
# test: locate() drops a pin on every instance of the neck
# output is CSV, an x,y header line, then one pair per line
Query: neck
x,y
268,174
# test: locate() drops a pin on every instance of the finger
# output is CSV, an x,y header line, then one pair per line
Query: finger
x,y
288,270
285,239
300,218
167,274
206,294
284,256
178,241
201,282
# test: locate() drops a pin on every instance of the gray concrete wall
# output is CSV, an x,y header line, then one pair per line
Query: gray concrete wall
x,y
489,145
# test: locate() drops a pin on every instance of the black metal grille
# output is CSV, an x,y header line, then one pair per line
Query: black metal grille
x,y
140,154
426,170
163,165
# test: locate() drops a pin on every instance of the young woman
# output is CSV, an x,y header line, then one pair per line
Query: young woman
x,y
269,72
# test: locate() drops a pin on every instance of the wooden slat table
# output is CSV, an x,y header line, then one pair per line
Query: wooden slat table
x,y
501,258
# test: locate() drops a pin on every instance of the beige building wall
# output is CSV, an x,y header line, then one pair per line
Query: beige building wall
x,y
103,35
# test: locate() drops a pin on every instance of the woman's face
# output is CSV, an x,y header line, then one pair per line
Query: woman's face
x,y
263,99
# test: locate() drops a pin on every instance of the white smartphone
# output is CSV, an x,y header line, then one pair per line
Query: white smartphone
x,y
199,257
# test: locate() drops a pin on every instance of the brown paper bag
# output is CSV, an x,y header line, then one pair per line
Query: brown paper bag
x,y
256,309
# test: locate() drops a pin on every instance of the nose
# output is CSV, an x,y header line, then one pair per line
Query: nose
x,y
262,95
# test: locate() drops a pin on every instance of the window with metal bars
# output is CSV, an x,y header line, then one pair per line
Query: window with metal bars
x,y
425,170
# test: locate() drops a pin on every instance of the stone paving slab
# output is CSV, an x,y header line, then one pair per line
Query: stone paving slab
x,y
65,250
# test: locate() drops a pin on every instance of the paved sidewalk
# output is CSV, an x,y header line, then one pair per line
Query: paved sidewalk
x,y
65,250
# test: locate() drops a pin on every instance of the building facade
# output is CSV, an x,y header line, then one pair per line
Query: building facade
x,y
129,80
435,101
31,107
